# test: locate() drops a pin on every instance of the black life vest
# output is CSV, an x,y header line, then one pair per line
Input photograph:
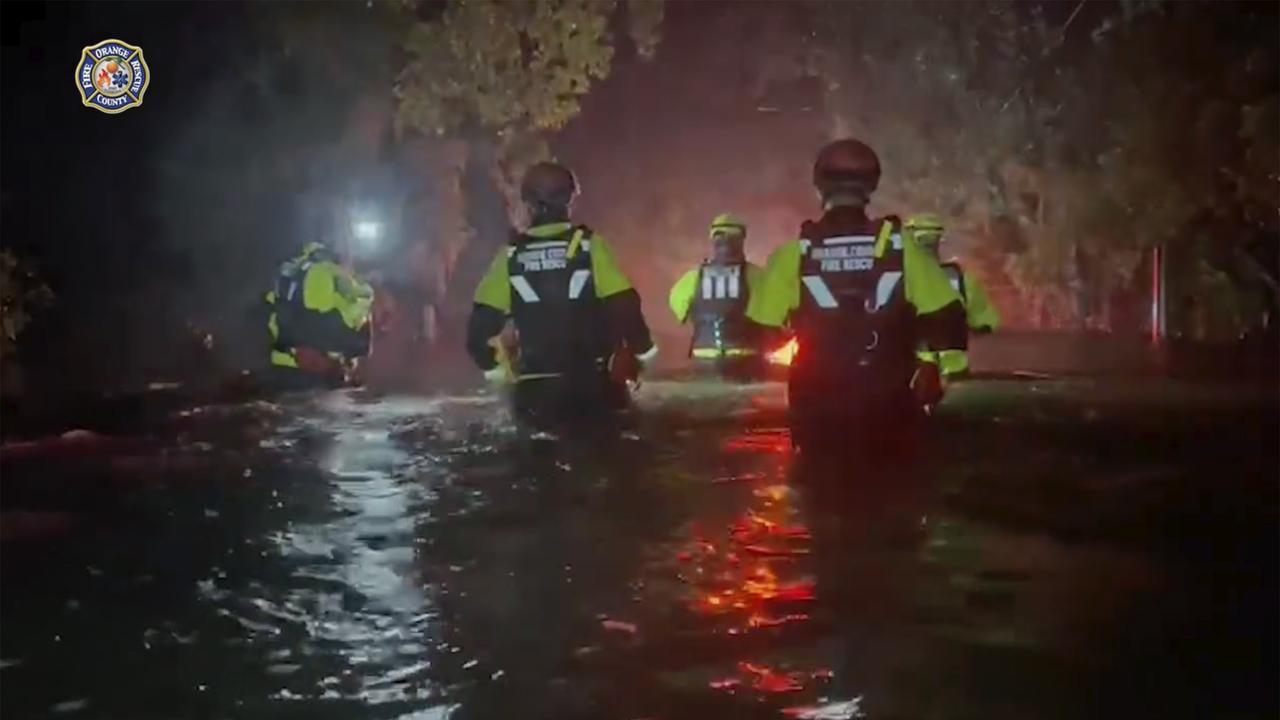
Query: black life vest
x,y
719,308
854,320
560,320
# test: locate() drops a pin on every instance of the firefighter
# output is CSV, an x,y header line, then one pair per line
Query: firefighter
x,y
319,321
861,301
714,296
577,334
927,231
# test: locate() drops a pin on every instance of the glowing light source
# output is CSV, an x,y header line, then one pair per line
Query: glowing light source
x,y
367,231
785,354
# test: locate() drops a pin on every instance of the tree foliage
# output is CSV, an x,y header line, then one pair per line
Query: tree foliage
x,y
1060,149
22,293
503,66
494,79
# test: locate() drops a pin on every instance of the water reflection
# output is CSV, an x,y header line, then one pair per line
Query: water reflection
x,y
748,562
355,621
415,559
535,575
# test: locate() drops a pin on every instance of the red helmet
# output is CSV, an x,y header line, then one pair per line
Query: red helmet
x,y
846,165
548,183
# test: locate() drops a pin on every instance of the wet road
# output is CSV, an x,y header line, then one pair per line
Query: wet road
x,y
1058,549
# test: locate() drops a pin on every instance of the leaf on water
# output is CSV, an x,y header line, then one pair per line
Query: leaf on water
x,y
619,626
70,706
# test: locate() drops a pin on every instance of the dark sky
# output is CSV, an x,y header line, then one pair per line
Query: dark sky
x,y
79,193
61,158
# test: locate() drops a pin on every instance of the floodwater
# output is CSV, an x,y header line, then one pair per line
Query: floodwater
x,y
1055,549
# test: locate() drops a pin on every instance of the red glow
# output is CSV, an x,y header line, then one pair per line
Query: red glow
x,y
766,679
763,678
770,440
771,551
759,621
749,576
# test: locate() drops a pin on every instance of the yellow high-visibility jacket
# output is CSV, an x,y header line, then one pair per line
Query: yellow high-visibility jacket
x,y
718,300
332,315
980,315
926,286
573,259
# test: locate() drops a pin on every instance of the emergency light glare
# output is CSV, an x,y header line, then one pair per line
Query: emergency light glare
x,y
785,354
367,231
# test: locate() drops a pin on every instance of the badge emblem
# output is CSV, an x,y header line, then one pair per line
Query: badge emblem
x,y
112,76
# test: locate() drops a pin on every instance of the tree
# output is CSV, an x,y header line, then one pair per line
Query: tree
x,y
503,72
490,79
1060,150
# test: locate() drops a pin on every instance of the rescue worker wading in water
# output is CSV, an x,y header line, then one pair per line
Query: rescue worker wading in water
x,y
713,296
319,321
579,330
927,231
861,302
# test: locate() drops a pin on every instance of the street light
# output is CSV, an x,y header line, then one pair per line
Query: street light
x,y
367,234
367,231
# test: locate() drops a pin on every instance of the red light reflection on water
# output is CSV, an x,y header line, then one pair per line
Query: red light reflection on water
x,y
765,679
748,576
767,440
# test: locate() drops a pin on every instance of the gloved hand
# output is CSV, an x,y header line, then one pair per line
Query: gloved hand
x,y
505,350
624,366
355,372
316,362
926,385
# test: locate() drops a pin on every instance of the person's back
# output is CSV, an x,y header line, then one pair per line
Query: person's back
x,y
860,300
319,320
574,312
856,330
561,323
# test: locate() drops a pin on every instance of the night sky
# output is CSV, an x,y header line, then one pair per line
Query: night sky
x,y
79,193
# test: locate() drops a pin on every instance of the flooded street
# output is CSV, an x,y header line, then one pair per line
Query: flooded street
x,y
1056,549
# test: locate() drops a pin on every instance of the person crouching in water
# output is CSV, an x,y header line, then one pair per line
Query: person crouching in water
x,y
319,321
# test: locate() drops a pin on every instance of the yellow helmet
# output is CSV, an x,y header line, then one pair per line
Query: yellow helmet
x,y
926,228
728,224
